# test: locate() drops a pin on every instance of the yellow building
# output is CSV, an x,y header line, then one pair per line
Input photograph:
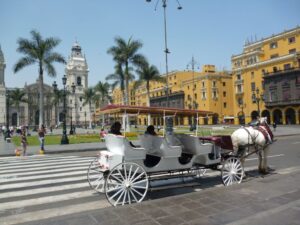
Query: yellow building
x,y
266,79
207,90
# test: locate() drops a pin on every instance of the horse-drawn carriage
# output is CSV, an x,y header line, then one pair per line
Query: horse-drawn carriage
x,y
124,173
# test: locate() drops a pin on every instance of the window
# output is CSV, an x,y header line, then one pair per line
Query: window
x,y
292,51
214,94
238,76
275,69
188,87
287,66
239,88
273,96
203,84
214,83
263,71
80,109
203,95
195,96
224,93
252,75
253,86
80,98
273,45
286,94
195,86
224,84
292,40
274,56
224,105
70,101
78,81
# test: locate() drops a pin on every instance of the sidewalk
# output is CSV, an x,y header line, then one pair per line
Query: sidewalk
x,y
8,149
270,200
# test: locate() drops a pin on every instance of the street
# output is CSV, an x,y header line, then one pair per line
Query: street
x,y
43,187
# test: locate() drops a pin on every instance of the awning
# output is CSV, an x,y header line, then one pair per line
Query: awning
x,y
110,109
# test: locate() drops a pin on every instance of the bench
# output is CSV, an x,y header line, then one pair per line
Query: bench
x,y
192,145
120,145
158,146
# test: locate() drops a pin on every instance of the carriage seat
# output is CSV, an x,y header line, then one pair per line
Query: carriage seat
x,y
192,145
158,146
120,145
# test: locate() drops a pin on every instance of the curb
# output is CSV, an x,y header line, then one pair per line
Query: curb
x,y
49,152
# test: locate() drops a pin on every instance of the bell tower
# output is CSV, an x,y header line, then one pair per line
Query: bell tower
x,y
77,76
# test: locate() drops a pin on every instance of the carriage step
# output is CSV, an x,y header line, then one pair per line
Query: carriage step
x,y
171,176
181,185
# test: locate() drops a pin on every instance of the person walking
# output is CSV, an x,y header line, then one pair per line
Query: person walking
x,y
41,133
274,126
24,140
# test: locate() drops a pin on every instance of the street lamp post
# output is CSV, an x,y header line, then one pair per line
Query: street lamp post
x,y
193,63
7,135
85,119
164,5
256,98
73,91
64,138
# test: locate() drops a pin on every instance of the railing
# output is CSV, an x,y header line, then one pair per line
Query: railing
x,y
281,72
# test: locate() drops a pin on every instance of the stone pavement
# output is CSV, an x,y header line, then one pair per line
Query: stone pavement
x,y
273,199
7,149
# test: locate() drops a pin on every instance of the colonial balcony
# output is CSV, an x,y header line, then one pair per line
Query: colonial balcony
x,y
289,71
240,81
283,102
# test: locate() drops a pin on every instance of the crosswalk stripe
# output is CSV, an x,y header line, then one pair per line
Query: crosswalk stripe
x,y
51,167
42,182
21,192
26,161
23,173
48,213
43,200
44,176
42,165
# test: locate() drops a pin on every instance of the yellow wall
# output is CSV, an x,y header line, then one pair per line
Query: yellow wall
x,y
265,58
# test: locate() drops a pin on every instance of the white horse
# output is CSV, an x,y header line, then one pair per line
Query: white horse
x,y
256,138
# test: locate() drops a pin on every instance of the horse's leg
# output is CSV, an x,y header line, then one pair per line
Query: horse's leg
x,y
260,162
265,158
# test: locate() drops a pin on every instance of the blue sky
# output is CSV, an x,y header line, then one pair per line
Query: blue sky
x,y
210,30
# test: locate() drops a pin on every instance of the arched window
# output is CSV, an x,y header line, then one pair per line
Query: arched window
x,y
79,81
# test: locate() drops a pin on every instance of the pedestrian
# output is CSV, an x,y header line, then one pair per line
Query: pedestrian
x,y
116,128
150,130
102,134
41,133
24,140
274,126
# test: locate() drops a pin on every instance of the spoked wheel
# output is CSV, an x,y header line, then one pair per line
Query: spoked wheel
x,y
232,171
126,183
95,176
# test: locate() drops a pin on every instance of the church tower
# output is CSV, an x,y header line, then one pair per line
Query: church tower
x,y
77,74
2,90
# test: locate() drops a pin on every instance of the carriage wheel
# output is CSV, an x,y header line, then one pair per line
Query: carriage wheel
x,y
95,176
126,183
232,171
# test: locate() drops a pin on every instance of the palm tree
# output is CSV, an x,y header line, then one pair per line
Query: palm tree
x,y
126,53
40,51
147,74
17,96
57,96
118,79
89,97
102,88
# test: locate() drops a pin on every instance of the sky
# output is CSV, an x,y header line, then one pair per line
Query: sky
x,y
210,30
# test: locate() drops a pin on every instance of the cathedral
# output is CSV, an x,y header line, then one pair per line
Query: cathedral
x,y
27,113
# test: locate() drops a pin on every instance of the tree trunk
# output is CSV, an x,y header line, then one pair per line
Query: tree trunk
x,y
41,99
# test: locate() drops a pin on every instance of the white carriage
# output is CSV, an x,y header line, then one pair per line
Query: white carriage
x,y
124,172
